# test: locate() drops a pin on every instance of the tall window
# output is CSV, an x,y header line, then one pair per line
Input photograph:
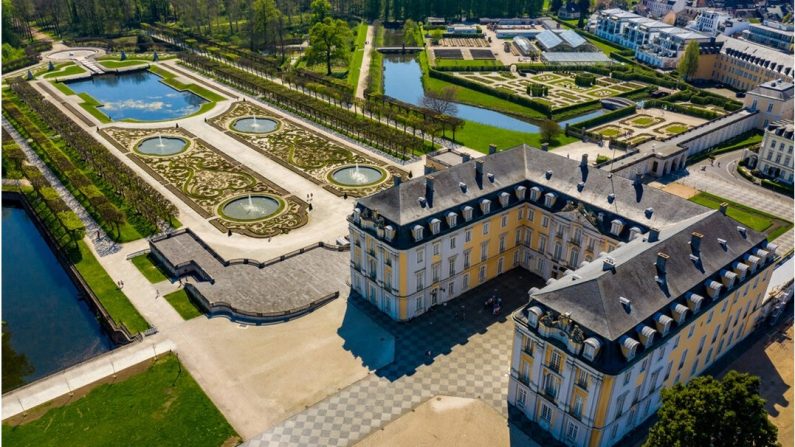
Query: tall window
x,y
484,250
571,432
482,273
452,242
468,236
485,228
554,361
436,249
420,255
451,263
502,243
435,269
504,220
466,258
576,409
420,280
546,413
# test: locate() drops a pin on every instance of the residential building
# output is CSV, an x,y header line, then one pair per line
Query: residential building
x,y
667,46
425,241
773,100
772,34
593,349
569,11
661,8
743,65
655,43
775,154
712,23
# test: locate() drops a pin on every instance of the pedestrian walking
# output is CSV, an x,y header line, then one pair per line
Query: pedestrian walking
x,y
157,294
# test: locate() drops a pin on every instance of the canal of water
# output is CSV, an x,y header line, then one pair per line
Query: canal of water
x,y
47,327
403,81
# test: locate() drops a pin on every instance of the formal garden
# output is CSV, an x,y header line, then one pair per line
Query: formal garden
x,y
644,125
340,169
217,187
558,89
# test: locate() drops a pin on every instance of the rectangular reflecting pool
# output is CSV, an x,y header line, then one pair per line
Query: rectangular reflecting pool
x,y
46,326
138,95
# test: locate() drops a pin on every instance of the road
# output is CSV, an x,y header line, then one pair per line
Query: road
x,y
365,68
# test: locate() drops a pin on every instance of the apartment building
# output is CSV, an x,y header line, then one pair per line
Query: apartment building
x,y
772,34
743,65
660,8
773,100
593,349
712,23
775,154
655,43
423,242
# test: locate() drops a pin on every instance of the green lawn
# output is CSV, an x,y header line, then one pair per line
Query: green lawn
x,y
168,79
161,406
747,216
478,137
68,71
63,88
609,131
148,267
120,64
183,305
113,299
355,66
676,128
90,105
642,121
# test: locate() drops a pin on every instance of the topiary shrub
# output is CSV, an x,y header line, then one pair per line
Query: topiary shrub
x,y
584,79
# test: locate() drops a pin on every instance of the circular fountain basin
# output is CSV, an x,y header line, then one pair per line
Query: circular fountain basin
x,y
362,175
252,125
253,207
162,146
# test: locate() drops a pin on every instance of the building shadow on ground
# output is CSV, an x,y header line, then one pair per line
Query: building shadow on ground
x,y
424,339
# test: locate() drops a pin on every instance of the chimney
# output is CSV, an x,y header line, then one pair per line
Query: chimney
x,y
397,180
695,241
638,179
479,172
723,207
429,190
654,234
661,258
465,158
545,147
584,160
492,149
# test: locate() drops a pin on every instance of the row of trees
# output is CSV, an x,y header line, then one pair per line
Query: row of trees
x,y
389,139
111,183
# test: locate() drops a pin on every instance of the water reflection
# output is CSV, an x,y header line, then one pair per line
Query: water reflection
x,y
52,327
138,95
403,81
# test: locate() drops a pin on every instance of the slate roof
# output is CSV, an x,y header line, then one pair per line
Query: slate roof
x,y
525,165
782,128
591,293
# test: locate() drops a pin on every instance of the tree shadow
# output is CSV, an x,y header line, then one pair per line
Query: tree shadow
x,y
420,341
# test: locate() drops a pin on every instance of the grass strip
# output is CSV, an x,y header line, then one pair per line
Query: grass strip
x,y
90,105
148,267
162,405
112,298
181,302
752,218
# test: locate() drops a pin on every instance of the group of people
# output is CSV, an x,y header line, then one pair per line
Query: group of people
x,y
495,303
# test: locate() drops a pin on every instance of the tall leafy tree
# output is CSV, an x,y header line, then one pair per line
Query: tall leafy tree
x,y
320,10
711,412
582,6
329,42
688,63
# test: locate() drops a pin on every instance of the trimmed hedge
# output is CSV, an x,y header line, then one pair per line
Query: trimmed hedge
x,y
607,117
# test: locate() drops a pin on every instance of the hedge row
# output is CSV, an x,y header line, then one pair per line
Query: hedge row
x,y
607,117
681,108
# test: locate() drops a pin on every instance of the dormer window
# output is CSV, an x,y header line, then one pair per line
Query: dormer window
x,y
727,278
435,225
740,269
663,323
485,206
549,199
751,260
417,232
452,219
504,198
520,192
535,193
616,226
713,288
591,348
629,347
467,212
533,314
389,232
679,312
694,302
646,335
634,232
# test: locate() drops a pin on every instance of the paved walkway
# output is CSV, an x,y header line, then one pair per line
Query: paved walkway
x,y
470,357
103,243
724,182
365,68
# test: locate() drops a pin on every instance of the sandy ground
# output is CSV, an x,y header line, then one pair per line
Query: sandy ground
x,y
259,375
771,358
677,189
448,421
